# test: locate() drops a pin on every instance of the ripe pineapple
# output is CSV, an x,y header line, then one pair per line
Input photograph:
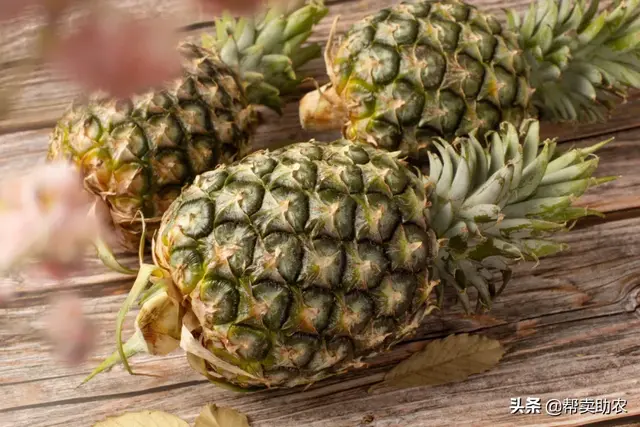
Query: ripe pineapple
x,y
294,265
443,68
138,153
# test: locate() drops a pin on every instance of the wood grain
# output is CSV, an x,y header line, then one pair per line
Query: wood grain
x,y
569,323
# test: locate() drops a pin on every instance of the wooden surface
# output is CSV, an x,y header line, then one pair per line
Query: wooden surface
x,y
570,324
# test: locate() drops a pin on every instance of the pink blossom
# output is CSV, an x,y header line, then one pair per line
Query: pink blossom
x,y
69,330
233,6
49,218
119,54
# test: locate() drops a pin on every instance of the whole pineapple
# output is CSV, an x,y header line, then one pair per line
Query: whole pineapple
x,y
443,68
138,153
294,265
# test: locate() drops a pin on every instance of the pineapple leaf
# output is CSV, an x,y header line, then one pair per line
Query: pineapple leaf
x,y
444,361
582,60
216,416
522,198
270,46
108,258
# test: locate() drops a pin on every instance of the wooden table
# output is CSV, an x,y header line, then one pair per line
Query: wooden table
x,y
570,324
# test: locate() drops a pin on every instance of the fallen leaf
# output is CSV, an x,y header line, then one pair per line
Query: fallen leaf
x,y
216,416
445,361
143,419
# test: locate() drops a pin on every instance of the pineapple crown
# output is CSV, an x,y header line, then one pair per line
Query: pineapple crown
x,y
266,49
582,62
495,206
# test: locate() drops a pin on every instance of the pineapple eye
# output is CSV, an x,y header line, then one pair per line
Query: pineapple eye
x,y
388,135
365,266
471,80
212,181
334,352
195,218
296,352
202,154
272,303
314,313
160,102
129,143
384,64
194,118
331,214
352,314
164,131
451,108
186,269
432,66
393,296
408,103
220,299
278,257
322,265
408,248
251,344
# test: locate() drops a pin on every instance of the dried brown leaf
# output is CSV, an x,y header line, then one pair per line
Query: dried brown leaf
x,y
445,361
216,416
143,419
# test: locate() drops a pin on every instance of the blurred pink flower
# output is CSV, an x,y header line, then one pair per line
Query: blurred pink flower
x,y
69,330
233,6
47,217
119,54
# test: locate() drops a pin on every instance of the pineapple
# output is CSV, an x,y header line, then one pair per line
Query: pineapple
x,y
419,70
290,266
138,153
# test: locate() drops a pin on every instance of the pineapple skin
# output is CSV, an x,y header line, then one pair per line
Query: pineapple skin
x,y
300,262
138,153
428,69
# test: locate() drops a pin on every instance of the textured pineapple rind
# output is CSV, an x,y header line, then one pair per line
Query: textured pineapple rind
x,y
138,153
301,262
420,70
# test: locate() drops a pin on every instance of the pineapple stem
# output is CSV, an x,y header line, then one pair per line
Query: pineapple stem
x,y
494,206
583,62
267,50
323,110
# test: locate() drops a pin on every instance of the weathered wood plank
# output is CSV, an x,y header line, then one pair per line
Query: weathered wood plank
x,y
597,278
592,358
